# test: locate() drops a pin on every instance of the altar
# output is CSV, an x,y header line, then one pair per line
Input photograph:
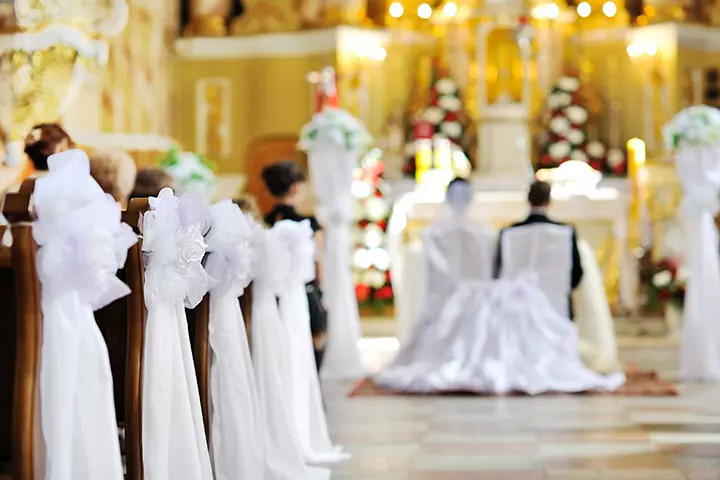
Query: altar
x,y
599,214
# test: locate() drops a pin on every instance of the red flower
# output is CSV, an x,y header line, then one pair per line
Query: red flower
x,y
384,293
546,160
451,117
596,164
382,224
362,293
363,224
388,278
664,294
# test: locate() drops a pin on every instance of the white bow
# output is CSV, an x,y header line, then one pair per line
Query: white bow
x,y
174,246
82,240
297,239
234,240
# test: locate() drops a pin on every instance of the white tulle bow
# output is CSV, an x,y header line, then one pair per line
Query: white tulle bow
x,y
274,262
297,239
173,242
234,239
82,240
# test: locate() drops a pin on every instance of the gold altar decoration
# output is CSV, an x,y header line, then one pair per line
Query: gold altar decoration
x,y
208,18
267,16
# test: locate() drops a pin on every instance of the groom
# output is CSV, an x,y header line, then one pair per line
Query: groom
x,y
539,200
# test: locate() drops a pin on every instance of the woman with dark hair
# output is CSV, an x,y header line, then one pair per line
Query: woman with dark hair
x,y
44,140
149,182
286,183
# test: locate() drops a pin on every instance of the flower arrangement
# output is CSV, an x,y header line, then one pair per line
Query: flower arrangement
x,y
191,171
337,127
664,283
696,126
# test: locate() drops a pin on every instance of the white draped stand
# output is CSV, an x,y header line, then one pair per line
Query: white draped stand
x,y
82,243
331,172
698,170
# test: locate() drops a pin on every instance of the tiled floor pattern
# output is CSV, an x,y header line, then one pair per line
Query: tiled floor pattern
x,y
569,437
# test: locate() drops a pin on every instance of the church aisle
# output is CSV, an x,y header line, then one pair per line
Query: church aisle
x,y
568,437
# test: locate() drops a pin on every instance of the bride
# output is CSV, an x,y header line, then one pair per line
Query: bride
x,y
483,336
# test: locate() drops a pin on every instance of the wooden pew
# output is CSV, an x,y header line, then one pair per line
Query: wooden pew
x,y
246,306
122,324
20,340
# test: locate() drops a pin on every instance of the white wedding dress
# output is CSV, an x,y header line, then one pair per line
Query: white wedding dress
x,y
483,336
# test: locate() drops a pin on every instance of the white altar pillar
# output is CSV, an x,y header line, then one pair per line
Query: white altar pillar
x,y
503,125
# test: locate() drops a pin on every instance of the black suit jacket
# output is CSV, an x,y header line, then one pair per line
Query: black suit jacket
x,y
577,271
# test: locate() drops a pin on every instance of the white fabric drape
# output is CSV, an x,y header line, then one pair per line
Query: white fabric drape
x,y
305,393
238,437
174,443
598,347
82,243
331,173
271,361
698,171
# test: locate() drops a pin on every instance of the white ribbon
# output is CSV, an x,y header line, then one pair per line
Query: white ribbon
x,y
82,243
238,436
174,443
305,394
271,361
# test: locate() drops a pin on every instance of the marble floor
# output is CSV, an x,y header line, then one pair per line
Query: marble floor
x,y
570,437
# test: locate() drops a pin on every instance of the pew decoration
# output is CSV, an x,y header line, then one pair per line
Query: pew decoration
x,y
237,429
174,442
305,393
271,360
81,245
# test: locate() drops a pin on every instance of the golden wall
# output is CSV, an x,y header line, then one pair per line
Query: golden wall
x,y
226,102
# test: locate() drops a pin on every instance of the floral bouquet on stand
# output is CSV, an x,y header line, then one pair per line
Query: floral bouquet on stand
x,y
697,126
191,171
664,291
337,127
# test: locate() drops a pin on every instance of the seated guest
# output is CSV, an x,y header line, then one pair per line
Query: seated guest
x,y
115,172
286,183
44,140
149,182
539,196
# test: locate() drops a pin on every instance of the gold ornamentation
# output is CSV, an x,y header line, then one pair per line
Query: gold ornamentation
x,y
209,18
98,17
267,16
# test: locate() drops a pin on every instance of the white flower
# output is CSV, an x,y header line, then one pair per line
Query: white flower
x,y
434,115
381,261
445,86
615,157
450,103
451,129
596,149
377,208
337,127
559,125
559,100
568,84
191,247
695,126
662,279
374,278
576,137
372,238
579,155
577,115
559,149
